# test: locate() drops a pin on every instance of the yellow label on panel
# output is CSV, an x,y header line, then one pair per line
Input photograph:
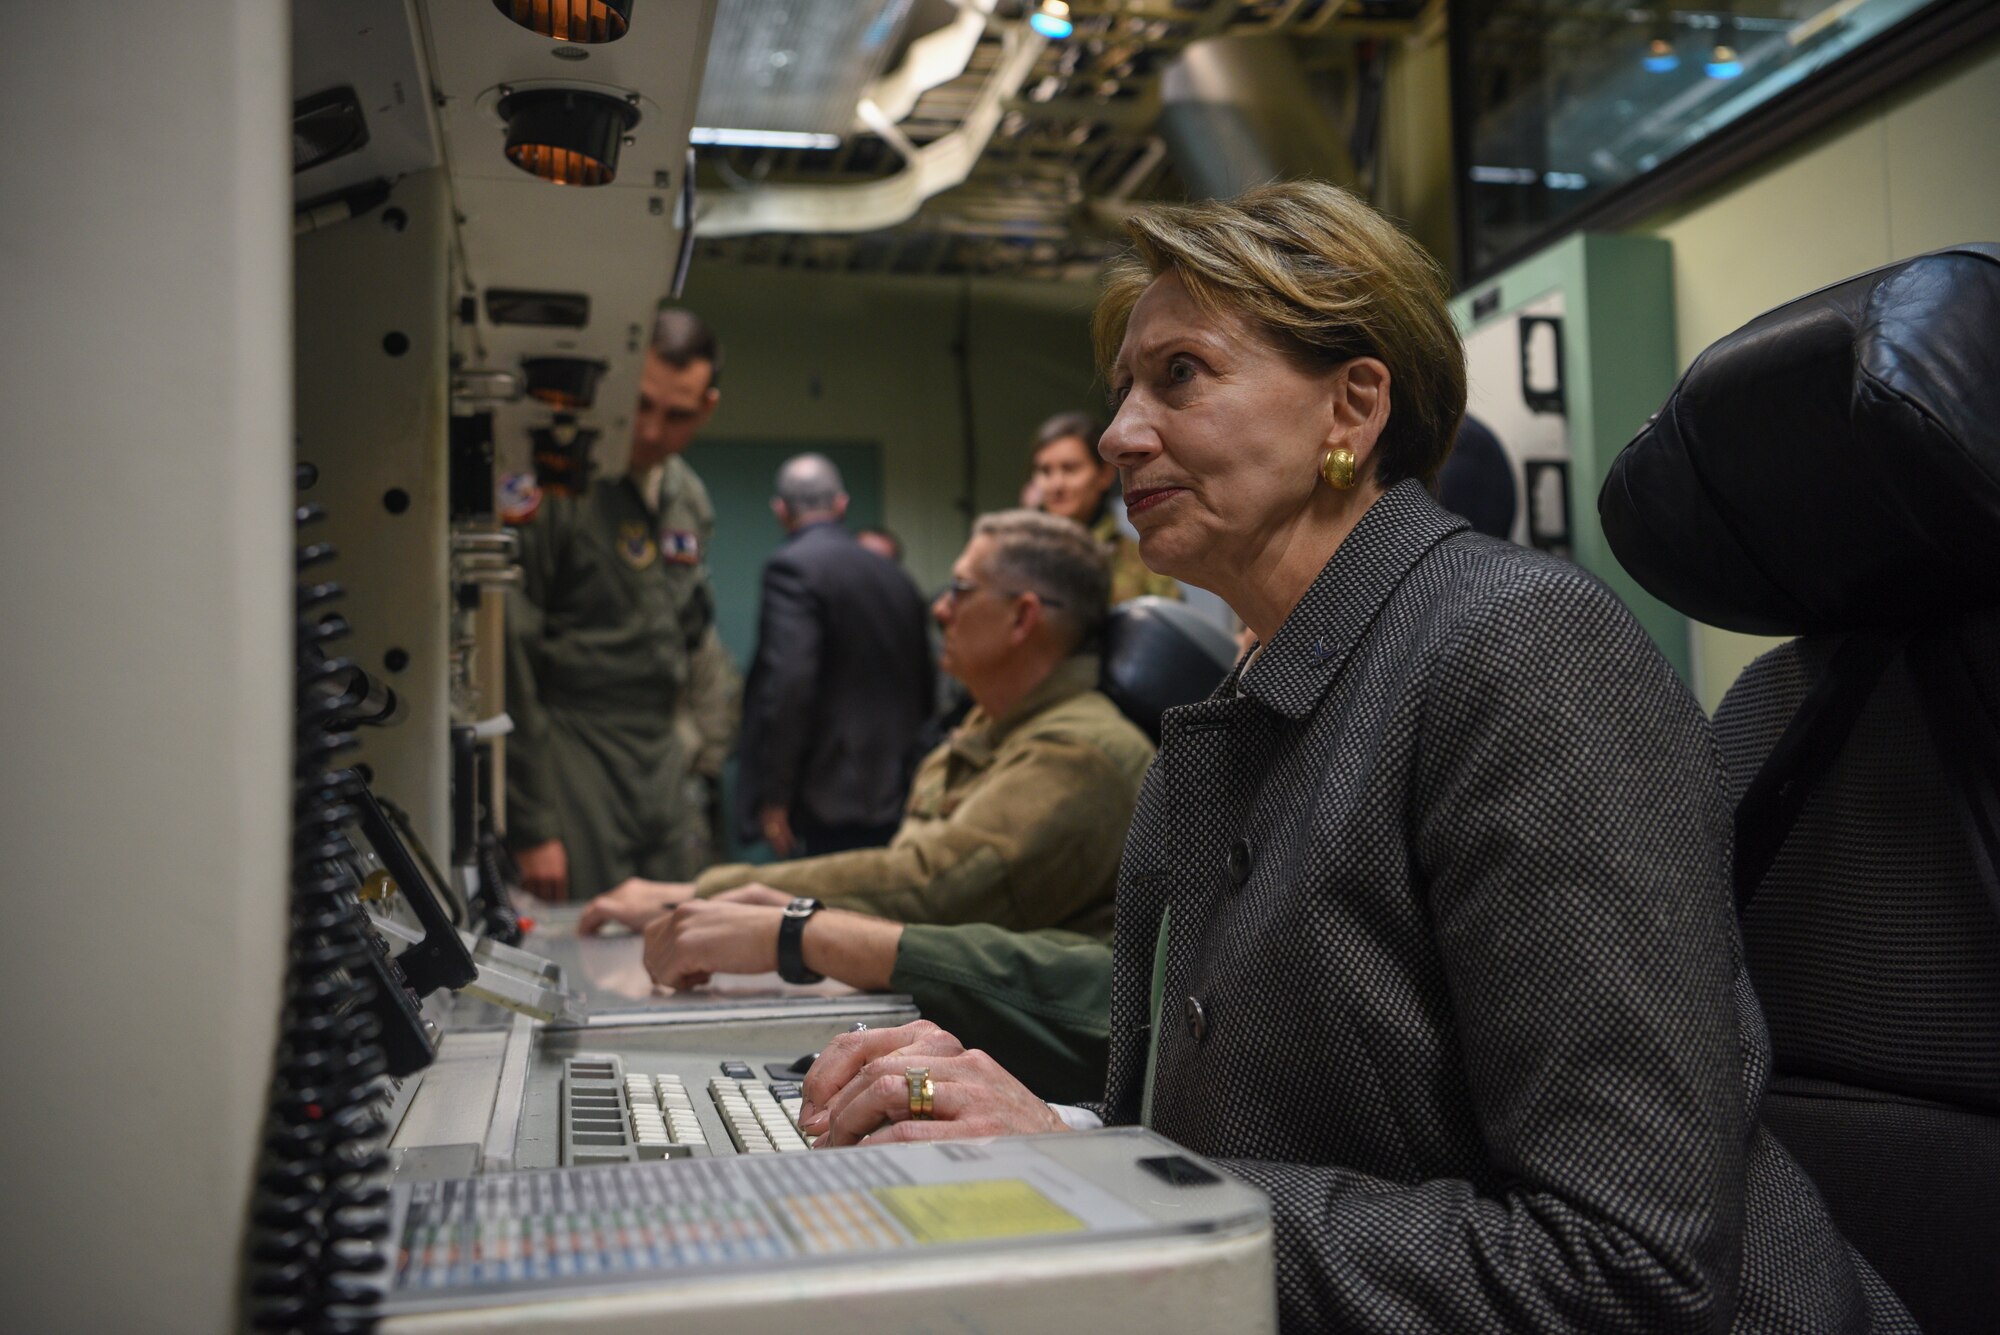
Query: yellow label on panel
x,y
976,1211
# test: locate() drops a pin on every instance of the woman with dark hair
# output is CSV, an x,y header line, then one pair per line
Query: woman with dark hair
x,y
1071,482
1424,922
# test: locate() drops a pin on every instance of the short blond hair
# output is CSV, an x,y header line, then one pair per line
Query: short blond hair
x,y
1329,279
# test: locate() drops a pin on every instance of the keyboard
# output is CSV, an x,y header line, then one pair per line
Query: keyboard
x,y
612,1114
711,1238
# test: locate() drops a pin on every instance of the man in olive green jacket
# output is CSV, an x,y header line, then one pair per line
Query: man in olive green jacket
x,y
1018,820
602,638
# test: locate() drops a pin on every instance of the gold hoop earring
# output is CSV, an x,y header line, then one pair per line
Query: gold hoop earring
x,y
1337,467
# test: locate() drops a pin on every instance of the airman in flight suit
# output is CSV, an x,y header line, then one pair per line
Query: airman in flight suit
x,y
603,638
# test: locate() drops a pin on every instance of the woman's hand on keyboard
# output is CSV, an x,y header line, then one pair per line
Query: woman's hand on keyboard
x,y
858,1091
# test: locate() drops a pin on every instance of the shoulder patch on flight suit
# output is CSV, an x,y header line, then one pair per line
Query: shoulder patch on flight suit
x,y
636,546
520,498
680,546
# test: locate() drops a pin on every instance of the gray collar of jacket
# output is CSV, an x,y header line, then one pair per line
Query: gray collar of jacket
x,y
1302,659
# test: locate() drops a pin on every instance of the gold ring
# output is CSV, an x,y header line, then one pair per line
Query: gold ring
x,y
923,1094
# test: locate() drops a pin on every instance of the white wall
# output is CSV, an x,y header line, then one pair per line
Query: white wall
x,y
145,537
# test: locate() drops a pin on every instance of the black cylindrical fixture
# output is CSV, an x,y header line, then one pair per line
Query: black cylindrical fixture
x,y
566,135
562,457
565,382
571,20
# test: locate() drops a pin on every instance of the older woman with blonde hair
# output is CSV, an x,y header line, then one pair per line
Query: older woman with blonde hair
x,y
1424,921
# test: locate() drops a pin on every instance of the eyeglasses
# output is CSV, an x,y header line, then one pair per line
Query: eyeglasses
x,y
959,590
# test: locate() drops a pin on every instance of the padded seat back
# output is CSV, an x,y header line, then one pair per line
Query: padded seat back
x,y
1876,954
1832,470
1159,654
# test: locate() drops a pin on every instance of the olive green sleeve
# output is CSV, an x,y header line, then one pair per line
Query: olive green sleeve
x,y
710,707
531,808
1039,1002
1033,845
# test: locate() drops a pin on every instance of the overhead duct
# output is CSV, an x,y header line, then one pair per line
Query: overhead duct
x,y
934,167
1237,112
938,56
794,66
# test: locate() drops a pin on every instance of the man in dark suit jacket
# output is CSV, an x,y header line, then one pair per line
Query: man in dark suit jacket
x,y
841,684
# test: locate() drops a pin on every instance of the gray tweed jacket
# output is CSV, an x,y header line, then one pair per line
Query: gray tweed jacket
x,y
1451,969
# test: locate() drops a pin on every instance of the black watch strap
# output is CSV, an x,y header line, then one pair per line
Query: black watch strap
x,y
791,941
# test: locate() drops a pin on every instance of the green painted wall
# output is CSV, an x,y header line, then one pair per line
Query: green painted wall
x,y
1617,365
820,356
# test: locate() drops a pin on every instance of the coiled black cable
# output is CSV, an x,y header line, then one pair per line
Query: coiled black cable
x,y
320,1218
501,922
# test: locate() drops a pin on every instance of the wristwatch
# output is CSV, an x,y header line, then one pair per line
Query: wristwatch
x,y
791,941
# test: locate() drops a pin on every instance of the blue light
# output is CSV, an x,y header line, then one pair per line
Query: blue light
x,y
1723,69
1050,26
1666,64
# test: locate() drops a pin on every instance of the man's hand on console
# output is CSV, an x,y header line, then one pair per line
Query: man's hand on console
x,y
545,870
859,1091
633,904
708,936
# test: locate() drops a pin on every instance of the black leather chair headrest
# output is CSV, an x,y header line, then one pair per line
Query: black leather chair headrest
x,y
1834,465
1159,654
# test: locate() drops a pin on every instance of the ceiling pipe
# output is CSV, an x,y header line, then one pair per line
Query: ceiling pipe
x,y
937,166
938,57
1237,112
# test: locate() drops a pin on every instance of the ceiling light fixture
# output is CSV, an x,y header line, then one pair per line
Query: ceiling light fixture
x,y
726,138
566,135
562,453
571,20
1723,61
1661,57
1051,19
563,382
